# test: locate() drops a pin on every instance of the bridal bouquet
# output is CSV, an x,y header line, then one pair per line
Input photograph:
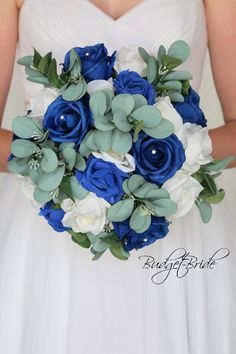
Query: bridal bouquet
x,y
115,148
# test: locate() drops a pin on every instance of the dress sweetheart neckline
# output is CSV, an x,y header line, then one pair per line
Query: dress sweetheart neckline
x,y
101,12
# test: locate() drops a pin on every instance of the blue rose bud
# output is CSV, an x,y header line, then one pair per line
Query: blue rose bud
x,y
157,160
132,83
103,178
67,121
53,216
190,110
95,61
157,230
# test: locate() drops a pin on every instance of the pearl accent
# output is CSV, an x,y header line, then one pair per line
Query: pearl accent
x,y
154,152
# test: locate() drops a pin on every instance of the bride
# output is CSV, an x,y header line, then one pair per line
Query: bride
x,y
53,298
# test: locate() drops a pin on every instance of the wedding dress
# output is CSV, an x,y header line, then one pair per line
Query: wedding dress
x,y
53,298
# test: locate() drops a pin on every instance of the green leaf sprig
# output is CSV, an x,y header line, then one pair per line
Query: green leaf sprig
x,y
115,118
211,194
141,201
161,74
43,70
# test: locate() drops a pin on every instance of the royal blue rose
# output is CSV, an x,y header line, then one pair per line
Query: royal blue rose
x,y
95,61
103,178
67,121
132,83
190,110
157,160
157,230
53,216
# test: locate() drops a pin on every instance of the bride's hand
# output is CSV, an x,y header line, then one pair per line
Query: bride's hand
x,y
9,10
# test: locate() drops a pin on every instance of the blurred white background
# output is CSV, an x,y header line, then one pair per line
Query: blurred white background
x,y
209,103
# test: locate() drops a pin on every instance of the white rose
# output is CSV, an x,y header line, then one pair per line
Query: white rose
x,y
95,85
130,59
28,187
198,146
123,162
86,215
183,190
169,112
39,103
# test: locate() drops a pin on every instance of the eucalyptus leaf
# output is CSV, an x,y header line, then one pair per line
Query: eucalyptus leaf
x,y
97,255
103,122
32,72
133,183
103,140
205,211
150,115
84,150
49,161
163,130
43,80
161,52
177,75
162,206
77,190
98,103
123,102
80,163
139,101
18,165
109,95
35,174
66,145
121,121
42,196
218,165
69,155
151,69
176,97
25,128
144,54
22,148
121,143
150,191
73,59
169,85
50,181
120,211
99,245
140,221
179,50
75,91
25,61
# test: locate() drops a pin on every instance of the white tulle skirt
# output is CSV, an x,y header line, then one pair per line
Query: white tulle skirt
x,y
55,300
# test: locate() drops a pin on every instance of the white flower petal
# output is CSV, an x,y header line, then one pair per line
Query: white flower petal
x,y
95,85
86,215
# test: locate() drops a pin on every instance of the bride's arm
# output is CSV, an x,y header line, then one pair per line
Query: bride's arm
x,y
8,41
221,25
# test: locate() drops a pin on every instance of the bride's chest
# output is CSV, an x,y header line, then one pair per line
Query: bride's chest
x,y
63,24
